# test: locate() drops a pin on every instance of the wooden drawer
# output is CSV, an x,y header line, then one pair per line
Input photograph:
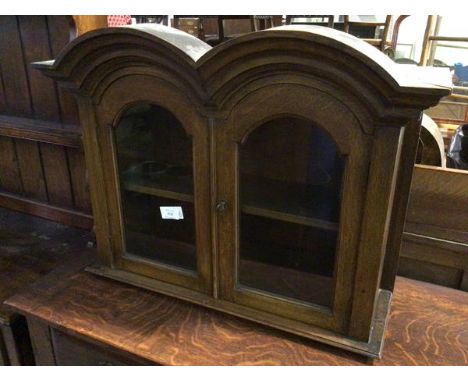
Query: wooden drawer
x,y
70,351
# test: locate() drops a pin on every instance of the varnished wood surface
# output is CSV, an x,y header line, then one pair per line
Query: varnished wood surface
x,y
428,326
40,147
438,206
35,130
29,249
435,246
65,216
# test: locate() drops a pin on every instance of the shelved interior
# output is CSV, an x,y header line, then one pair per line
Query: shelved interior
x,y
290,192
290,185
155,170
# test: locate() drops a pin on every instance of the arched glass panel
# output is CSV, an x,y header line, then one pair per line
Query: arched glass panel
x,y
154,156
290,186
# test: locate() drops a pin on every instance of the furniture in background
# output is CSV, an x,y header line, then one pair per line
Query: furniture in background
x,y
42,170
215,128
431,150
365,27
381,29
77,318
435,242
42,166
190,25
323,20
452,110
30,247
217,29
395,32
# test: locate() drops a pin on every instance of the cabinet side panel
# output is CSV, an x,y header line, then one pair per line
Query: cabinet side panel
x,y
400,203
93,160
375,229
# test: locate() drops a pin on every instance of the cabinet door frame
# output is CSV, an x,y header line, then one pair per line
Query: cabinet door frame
x,y
326,112
117,98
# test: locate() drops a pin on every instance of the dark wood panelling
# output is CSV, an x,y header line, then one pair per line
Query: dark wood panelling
x,y
62,215
33,109
61,31
57,175
31,170
41,131
9,170
2,93
79,179
35,41
13,66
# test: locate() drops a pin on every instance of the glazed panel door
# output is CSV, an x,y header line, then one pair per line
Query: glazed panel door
x,y
159,165
288,211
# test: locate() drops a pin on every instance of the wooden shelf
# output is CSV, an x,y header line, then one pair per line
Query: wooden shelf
x,y
290,218
308,205
290,202
162,250
40,131
170,187
286,282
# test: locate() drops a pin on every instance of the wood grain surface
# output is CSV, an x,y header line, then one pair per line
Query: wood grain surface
x,y
435,245
428,326
37,118
29,249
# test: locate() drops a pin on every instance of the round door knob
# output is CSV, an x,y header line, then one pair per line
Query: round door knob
x,y
221,206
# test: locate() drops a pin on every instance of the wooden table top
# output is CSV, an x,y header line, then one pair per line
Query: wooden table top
x,y
30,248
428,326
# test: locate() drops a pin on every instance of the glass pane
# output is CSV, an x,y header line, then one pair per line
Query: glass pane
x,y
156,181
290,199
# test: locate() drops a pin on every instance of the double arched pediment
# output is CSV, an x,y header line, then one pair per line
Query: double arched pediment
x,y
336,63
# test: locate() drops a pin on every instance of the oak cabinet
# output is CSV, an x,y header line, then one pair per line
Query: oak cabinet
x,y
267,177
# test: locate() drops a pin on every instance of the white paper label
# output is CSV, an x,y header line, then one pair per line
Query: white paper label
x,y
174,213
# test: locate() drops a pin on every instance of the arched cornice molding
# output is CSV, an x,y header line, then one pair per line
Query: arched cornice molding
x,y
90,60
354,69
356,73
